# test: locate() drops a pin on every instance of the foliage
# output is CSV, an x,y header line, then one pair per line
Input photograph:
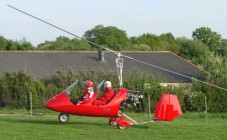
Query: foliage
x,y
195,51
109,36
151,42
168,43
22,45
61,80
15,89
3,43
207,36
148,39
140,47
62,43
213,66
223,48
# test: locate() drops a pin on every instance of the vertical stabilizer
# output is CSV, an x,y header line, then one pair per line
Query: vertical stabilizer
x,y
168,108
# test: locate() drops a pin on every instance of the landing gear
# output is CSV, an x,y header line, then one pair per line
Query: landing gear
x,y
121,127
112,121
63,118
120,122
123,123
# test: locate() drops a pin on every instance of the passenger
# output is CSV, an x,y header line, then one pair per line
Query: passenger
x,y
88,93
107,95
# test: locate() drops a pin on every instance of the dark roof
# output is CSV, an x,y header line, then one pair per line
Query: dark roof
x,y
43,63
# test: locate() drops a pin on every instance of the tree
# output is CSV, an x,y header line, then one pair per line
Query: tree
x,y
64,43
21,45
109,36
198,53
223,49
168,37
207,36
195,51
24,45
168,43
15,89
148,39
11,45
3,43
140,47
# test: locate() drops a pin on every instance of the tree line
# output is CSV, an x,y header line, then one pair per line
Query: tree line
x,y
117,39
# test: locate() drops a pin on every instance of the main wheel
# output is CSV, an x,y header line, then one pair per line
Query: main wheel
x,y
112,123
63,117
121,127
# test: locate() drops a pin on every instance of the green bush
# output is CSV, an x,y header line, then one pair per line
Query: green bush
x,y
15,89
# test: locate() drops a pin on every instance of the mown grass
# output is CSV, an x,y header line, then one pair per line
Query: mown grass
x,y
188,126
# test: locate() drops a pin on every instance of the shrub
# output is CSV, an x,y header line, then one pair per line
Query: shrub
x,y
15,89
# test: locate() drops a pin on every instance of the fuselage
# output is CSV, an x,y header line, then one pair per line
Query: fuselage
x,y
61,103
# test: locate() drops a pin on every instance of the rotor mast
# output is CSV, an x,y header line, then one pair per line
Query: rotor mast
x,y
119,66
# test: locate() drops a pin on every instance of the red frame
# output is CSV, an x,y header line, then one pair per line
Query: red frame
x,y
61,103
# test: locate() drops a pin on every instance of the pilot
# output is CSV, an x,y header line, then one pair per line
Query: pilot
x,y
107,95
88,93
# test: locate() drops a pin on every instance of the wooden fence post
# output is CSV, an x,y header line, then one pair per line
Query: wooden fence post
x,y
149,107
206,106
31,103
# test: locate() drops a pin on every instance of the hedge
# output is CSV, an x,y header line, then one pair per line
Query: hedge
x,y
15,89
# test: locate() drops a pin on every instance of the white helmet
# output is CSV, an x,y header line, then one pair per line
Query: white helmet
x,y
107,84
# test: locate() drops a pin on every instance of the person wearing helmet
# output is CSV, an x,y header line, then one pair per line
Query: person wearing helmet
x,y
107,95
88,93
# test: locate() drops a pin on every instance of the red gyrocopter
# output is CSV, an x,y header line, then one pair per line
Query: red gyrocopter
x,y
166,109
62,103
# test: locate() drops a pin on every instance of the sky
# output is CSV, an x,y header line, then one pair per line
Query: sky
x,y
135,17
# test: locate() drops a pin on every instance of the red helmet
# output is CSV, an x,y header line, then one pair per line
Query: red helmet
x,y
89,83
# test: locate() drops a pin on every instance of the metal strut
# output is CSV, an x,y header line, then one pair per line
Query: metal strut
x,y
135,122
119,66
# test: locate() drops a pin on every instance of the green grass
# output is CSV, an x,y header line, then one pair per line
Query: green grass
x,y
188,126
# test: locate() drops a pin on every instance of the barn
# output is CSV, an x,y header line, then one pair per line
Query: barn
x,y
43,63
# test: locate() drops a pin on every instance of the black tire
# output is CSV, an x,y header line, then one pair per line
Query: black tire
x,y
63,118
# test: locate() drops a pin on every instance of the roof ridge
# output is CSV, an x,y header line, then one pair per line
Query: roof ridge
x,y
46,51
185,60
16,51
145,51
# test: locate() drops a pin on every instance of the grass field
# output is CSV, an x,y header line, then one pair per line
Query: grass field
x,y
38,127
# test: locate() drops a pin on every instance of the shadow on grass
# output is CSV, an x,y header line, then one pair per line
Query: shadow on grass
x,y
56,122
141,126
50,122
30,121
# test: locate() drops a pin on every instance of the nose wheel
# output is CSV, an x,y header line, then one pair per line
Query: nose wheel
x,y
120,122
63,118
